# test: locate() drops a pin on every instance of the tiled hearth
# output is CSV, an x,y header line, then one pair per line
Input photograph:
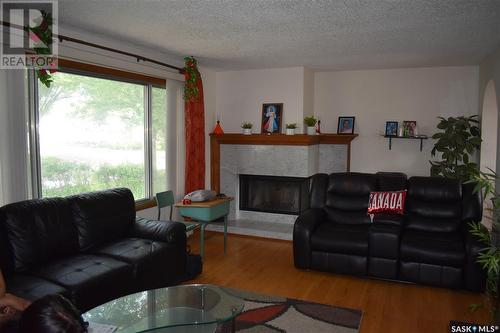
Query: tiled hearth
x,y
271,160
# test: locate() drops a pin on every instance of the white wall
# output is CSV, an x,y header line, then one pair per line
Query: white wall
x,y
240,95
489,129
377,96
490,71
308,95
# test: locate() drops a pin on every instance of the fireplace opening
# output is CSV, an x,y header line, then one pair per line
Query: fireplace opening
x,y
274,194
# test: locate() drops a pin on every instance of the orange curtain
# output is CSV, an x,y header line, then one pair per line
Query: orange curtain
x,y
195,134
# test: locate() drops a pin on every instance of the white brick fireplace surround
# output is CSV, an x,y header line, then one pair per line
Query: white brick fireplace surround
x,y
249,156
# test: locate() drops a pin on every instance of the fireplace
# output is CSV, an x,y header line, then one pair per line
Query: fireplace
x,y
274,194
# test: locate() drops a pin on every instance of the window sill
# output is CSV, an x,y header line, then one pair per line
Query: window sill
x,y
144,204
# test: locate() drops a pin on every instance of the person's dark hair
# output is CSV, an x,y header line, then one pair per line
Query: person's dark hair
x,y
52,314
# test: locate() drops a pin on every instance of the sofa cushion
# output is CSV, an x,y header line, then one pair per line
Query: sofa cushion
x,y
32,287
394,219
156,264
446,249
90,279
142,254
347,197
434,204
39,231
341,238
103,216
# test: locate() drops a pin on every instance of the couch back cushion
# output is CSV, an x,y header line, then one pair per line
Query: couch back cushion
x,y
38,231
102,216
348,195
391,181
434,204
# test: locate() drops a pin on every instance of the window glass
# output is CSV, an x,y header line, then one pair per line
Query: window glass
x,y
91,135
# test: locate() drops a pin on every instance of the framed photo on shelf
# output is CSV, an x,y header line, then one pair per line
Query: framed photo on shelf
x,y
346,125
391,128
409,128
272,115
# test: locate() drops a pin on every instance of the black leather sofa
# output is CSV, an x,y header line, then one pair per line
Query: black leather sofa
x,y
89,247
429,244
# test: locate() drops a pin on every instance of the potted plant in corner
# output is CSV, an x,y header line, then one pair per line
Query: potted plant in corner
x,y
489,257
459,138
247,127
310,123
290,128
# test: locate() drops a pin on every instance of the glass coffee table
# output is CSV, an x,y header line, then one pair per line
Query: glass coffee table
x,y
185,308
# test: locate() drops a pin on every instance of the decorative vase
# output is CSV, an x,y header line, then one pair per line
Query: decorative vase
x,y
311,130
247,131
290,131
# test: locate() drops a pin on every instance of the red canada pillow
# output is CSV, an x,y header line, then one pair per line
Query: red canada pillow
x,y
391,202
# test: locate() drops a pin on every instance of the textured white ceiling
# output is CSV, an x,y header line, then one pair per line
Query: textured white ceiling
x,y
322,35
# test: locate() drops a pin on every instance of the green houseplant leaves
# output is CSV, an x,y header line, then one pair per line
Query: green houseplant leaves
x,y
458,139
489,256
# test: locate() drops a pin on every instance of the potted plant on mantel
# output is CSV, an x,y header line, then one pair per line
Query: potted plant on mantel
x,y
310,123
247,127
290,128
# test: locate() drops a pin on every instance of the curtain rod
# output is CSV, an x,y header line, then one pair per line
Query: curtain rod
x,y
97,46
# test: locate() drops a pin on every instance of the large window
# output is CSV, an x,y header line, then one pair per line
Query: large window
x,y
96,132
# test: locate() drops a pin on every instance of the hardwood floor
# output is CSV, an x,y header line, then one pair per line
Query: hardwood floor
x,y
266,266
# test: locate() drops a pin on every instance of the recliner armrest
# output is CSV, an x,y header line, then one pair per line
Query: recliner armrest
x,y
162,231
474,274
304,226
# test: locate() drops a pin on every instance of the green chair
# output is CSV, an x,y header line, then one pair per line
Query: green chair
x,y
166,199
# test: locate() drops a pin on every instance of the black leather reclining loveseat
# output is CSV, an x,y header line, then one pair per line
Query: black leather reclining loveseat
x,y
89,247
429,244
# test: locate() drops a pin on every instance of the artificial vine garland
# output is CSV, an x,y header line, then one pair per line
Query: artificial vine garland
x,y
192,76
42,36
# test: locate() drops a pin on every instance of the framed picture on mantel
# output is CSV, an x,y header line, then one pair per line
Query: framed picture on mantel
x,y
346,125
272,114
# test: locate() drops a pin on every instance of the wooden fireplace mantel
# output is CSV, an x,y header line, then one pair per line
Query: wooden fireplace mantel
x,y
275,139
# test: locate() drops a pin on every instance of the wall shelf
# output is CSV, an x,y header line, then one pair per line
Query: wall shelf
x,y
421,138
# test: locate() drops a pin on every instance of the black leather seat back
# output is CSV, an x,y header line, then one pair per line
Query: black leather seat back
x,y
391,181
39,231
347,197
472,203
102,216
434,204
6,259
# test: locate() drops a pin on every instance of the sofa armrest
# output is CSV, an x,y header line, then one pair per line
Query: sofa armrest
x,y
474,274
304,226
162,231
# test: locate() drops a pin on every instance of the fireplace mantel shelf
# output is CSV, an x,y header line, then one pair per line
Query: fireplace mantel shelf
x,y
282,139
275,139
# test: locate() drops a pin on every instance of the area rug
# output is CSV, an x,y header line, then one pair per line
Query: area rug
x,y
272,314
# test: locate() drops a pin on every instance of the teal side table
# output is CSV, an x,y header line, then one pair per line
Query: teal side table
x,y
205,213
